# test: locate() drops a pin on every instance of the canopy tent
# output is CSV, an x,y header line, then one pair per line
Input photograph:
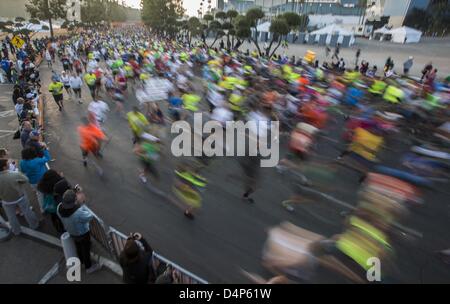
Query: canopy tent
x,y
405,35
263,27
38,27
383,30
332,30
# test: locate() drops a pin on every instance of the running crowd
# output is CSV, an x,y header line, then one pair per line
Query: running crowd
x,y
303,96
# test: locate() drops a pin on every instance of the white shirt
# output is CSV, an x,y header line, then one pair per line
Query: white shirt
x,y
75,82
215,98
92,65
158,88
99,108
222,115
48,57
65,80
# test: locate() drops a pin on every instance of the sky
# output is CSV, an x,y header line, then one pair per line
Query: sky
x,y
190,5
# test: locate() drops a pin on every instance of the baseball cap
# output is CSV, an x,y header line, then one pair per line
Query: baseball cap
x,y
69,199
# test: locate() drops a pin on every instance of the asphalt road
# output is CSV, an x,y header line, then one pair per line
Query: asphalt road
x,y
228,234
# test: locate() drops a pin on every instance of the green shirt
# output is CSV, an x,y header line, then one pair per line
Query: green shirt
x,y
56,88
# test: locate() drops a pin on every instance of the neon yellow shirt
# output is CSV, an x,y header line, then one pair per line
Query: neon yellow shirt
x,y
56,88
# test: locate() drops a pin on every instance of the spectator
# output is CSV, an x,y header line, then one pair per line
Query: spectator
x,y
34,168
136,261
46,186
76,218
25,133
6,65
407,65
426,70
12,163
12,194
19,107
33,142
17,93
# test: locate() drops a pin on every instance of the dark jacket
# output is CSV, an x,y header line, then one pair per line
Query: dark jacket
x,y
138,270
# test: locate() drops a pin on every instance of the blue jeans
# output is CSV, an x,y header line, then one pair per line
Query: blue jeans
x,y
30,217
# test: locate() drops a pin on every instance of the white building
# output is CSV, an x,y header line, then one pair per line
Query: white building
x,y
74,10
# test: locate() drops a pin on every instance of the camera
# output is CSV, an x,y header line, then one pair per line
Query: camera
x,y
77,188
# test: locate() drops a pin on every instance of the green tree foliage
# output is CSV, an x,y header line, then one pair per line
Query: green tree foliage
x,y
254,15
162,15
279,29
47,10
93,12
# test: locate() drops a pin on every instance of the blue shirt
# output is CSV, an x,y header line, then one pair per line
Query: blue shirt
x,y
5,65
175,101
76,224
35,168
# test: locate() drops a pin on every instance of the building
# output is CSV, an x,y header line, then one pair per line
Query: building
x,y
74,10
240,6
220,5
394,9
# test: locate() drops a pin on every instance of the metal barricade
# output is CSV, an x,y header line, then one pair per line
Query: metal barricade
x,y
185,276
99,231
118,240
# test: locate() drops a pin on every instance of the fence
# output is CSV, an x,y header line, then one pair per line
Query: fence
x,y
114,242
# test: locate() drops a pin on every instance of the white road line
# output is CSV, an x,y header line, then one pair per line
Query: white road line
x,y
51,273
7,113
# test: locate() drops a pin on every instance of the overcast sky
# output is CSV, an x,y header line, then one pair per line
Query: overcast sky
x,y
190,5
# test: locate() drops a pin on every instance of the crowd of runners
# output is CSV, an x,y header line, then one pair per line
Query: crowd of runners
x,y
172,80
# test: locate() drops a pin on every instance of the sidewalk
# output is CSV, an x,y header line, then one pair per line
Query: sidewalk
x,y
24,259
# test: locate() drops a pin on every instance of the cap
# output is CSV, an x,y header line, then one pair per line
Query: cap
x,y
69,199
35,133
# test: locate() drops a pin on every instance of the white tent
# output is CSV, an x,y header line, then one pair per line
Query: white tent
x,y
331,30
405,35
383,30
263,27
38,27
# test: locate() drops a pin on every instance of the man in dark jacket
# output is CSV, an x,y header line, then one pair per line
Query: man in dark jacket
x,y
136,261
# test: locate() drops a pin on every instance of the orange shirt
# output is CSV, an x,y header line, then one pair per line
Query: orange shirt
x,y
90,136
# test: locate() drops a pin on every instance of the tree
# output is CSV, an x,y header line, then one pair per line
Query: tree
x,y
279,29
93,12
194,27
162,15
47,10
254,15
115,12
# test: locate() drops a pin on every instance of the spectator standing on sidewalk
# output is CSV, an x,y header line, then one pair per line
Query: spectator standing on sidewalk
x,y
51,199
407,65
76,218
27,128
34,168
136,261
12,194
